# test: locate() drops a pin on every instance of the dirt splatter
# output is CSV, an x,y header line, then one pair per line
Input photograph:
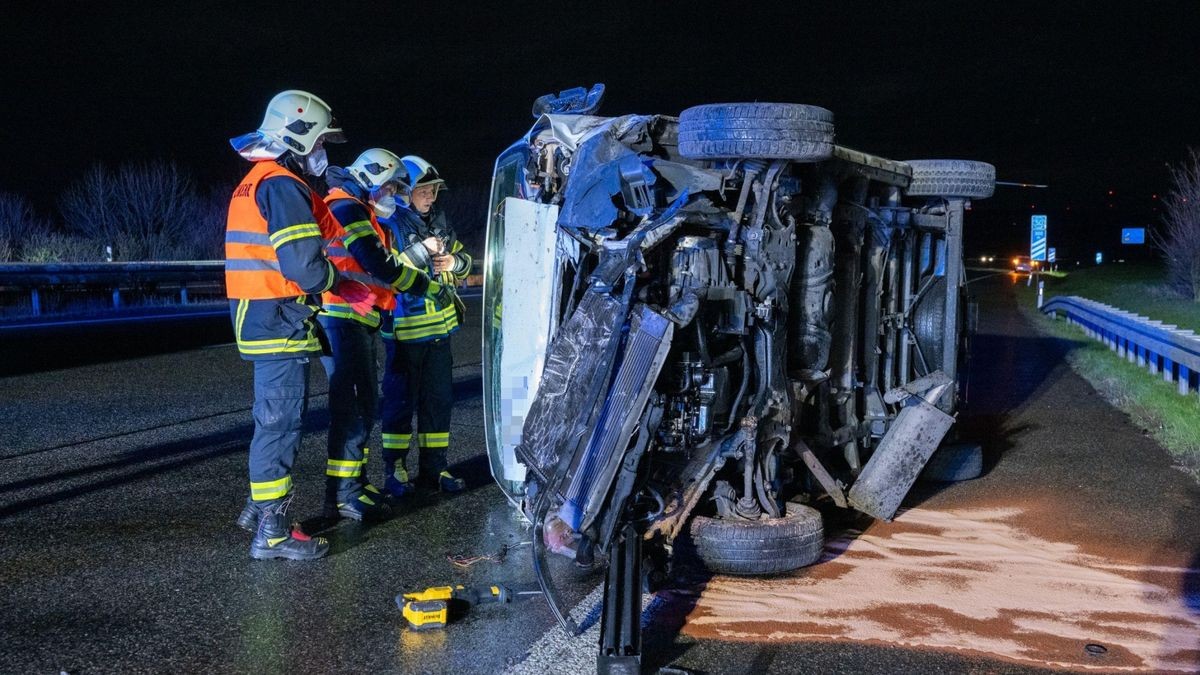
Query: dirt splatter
x,y
970,580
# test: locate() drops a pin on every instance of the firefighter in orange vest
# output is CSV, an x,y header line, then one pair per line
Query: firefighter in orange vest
x,y
361,191
275,271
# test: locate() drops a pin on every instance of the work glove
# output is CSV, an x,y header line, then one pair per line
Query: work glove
x,y
440,293
360,297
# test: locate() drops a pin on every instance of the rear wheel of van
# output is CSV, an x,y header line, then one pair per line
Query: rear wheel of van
x,y
951,178
802,133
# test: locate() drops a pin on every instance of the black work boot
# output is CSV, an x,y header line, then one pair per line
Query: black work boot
x,y
442,481
344,497
371,491
248,519
276,539
357,507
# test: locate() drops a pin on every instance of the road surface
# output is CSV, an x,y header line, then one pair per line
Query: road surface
x,y
120,481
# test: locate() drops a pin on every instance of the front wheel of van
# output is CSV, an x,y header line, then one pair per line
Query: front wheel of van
x,y
751,547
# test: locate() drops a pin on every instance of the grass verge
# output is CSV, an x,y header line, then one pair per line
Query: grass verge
x,y
1135,287
1152,404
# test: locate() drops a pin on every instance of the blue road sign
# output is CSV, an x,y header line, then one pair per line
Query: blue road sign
x,y
1099,257
1051,255
1037,238
1133,235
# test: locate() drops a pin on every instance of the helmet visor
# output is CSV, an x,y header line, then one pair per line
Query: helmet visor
x,y
333,133
256,147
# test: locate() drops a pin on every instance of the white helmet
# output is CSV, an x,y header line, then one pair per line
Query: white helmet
x,y
421,172
294,121
375,167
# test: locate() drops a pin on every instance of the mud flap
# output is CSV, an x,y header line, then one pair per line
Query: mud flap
x,y
903,452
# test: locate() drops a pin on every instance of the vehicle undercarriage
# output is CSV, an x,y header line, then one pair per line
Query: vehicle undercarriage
x,y
698,327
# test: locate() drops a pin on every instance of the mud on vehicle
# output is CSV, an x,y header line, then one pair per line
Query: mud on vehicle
x,y
696,327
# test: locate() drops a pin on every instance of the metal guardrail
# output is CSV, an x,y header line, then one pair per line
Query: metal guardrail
x,y
36,277
105,273
1153,345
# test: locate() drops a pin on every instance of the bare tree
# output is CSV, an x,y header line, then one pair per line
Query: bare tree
x,y
144,211
1180,237
20,225
466,210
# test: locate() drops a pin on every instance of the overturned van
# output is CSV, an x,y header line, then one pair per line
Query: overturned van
x,y
695,327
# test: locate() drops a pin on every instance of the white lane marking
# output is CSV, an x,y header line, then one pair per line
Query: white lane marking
x,y
556,653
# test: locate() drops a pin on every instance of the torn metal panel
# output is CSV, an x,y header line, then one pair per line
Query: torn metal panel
x,y
580,355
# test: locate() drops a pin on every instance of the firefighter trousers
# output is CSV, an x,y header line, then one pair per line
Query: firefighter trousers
x,y
418,377
353,399
280,400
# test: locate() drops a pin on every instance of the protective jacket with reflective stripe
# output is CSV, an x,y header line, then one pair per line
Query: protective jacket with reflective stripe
x,y
417,318
361,231
275,263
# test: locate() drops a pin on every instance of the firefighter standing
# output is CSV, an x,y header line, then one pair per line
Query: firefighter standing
x,y
275,268
363,190
419,364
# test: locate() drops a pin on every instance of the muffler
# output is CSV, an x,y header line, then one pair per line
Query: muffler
x,y
908,444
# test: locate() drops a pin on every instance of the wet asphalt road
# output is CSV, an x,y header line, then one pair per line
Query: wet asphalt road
x,y
119,483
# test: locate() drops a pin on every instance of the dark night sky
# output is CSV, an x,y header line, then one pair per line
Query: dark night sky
x,y
1085,96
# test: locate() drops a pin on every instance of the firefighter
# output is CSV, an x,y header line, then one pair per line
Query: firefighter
x,y
418,374
359,193
275,271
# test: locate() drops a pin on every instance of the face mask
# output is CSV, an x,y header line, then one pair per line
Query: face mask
x,y
316,162
385,206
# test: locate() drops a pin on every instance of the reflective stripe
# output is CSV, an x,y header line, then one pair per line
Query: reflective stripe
x,y
408,276
251,265
241,237
421,320
417,334
343,468
397,441
366,455
301,231
356,231
340,311
331,279
258,347
272,346
439,439
272,489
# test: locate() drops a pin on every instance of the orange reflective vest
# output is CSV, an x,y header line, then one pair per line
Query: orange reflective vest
x,y
251,266
347,266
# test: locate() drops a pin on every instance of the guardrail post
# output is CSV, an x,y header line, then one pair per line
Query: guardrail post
x,y
183,294
35,300
1141,356
1168,365
116,297
1152,358
1184,374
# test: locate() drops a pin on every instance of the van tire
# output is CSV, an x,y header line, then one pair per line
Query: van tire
x,y
752,547
801,133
